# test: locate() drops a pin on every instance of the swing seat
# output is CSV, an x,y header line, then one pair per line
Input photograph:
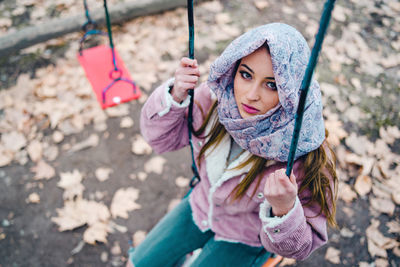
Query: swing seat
x,y
273,261
186,261
111,86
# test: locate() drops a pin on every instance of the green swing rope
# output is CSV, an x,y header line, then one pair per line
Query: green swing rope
x,y
108,21
323,26
196,177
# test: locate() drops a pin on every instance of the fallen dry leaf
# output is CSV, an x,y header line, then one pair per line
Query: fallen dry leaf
x,y
50,152
71,183
96,232
261,4
374,250
138,237
354,159
382,150
6,156
79,212
382,205
339,13
173,203
287,262
182,182
377,242
396,196
13,141
140,146
381,263
35,150
396,251
118,111
390,134
33,198
359,144
116,249
119,228
104,257
155,165
142,176
345,232
57,137
124,201
91,141
126,122
120,136
363,185
223,18
5,22
103,174
333,255
43,170
381,191
336,131
346,193
394,227
288,10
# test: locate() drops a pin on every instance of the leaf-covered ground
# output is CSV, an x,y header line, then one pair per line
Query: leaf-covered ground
x,y
78,183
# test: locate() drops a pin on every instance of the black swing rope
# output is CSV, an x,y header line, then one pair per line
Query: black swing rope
x,y
324,23
196,177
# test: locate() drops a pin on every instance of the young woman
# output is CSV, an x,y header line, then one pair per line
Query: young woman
x,y
244,207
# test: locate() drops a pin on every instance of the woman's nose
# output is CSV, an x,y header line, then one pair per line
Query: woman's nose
x,y
253,93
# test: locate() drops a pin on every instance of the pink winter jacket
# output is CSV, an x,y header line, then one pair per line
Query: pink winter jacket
x,y
294,235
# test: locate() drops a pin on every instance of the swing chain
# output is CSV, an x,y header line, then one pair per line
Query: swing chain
x,y
89,24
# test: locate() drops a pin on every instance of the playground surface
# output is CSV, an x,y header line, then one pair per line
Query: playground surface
x,y
77,183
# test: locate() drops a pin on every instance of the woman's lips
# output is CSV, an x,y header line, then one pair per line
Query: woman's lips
x,y
249,109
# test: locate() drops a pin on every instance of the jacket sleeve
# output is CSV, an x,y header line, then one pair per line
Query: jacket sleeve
x,y
296,234
163,122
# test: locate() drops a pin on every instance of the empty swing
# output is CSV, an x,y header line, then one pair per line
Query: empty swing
x,y
103,67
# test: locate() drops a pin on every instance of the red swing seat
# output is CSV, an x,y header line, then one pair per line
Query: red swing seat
x,y
111,87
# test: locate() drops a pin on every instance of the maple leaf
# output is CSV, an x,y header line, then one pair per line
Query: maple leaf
x,y
124,201
79,212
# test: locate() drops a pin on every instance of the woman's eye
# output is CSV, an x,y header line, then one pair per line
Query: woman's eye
x,y
245,75
271,85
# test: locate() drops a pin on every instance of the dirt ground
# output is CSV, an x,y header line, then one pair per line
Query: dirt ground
x,y
29,237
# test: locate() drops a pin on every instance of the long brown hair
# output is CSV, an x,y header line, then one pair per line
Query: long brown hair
x,y
319,170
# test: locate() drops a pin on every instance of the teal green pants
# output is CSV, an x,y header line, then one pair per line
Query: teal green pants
x,y
176,235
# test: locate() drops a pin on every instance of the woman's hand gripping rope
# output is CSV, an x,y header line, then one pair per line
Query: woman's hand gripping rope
x,y
186,78
280,192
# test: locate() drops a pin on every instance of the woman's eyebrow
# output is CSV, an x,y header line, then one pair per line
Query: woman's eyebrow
x,y
247,67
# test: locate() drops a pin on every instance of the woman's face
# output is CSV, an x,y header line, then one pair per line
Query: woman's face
x,y
254,84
